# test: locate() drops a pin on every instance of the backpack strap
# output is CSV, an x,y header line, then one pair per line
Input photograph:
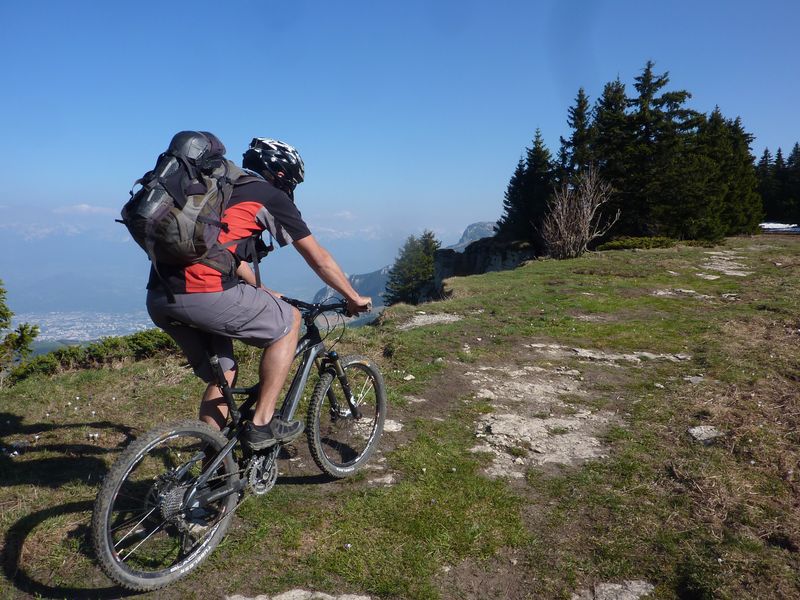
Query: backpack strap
x,y
154,263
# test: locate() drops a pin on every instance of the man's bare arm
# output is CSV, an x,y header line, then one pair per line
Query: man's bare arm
x,y
329,271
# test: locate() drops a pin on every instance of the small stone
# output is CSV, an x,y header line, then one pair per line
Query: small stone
x,y
439,361
452,469
392,426
659,386
36,438
479,339
348,546
705,433
424,470
409,377
93,413
514,561
69,403
694,379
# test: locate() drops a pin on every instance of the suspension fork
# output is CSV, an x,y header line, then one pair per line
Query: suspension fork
x,y
333,360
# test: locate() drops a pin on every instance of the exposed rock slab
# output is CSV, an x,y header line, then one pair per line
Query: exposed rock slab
x,y
558,351
727,263
627,590
532,425
300,595
421,320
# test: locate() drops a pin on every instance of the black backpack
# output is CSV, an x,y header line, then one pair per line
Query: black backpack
x,y
176,215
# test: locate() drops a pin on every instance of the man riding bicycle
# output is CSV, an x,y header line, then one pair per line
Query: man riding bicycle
x,y
213,306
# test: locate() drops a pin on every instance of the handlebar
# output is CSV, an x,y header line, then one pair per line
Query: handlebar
x,y
312,311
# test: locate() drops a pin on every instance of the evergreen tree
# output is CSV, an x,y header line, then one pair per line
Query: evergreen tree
x,y
527,196
691,206
743,206
792,184
561,171
578,146
660,155
411,278
767,186
782,206
610,140
14,345
512,204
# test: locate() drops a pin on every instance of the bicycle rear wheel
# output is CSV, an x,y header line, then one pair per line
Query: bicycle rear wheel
x,y
145,535
340,442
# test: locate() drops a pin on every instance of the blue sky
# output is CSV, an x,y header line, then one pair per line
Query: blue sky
x,y
409,115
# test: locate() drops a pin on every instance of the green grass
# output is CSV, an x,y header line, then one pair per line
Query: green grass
x,y
697,521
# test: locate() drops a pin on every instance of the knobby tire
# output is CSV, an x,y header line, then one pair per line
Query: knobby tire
x,y
340,443
126,504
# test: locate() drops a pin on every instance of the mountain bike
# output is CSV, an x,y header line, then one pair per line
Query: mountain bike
x,y
168,500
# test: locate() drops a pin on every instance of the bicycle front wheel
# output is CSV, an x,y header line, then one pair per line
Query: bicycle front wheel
x,y
146,532
342,442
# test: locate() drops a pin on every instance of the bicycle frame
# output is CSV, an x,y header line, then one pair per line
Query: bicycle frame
x,y
311,347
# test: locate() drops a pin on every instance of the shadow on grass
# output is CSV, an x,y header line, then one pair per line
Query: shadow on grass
x,y
76,463
305,479
13,544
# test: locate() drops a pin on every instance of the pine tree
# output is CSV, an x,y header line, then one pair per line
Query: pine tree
x,y
792,189
782,205
611,139
411,278
743,206
14,345
578,146
512,204
767,186
527,196
538,187
660,156
691,206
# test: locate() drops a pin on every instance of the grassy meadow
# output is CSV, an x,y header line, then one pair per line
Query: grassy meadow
x,y
696,521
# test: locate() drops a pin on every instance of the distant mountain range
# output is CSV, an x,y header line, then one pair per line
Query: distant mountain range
x,y
373,284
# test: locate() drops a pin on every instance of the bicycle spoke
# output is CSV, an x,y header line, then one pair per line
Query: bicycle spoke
x,y
129,521
364,391
152,510
152,533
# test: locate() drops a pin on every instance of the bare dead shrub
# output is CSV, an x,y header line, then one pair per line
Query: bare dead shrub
x,y
574,217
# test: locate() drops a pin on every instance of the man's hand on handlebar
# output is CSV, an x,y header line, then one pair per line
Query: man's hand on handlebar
x,y
358,305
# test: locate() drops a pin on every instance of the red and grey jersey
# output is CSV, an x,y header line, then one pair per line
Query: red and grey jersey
x,y
253,208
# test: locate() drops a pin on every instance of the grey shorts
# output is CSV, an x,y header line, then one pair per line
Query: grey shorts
x,y
209,321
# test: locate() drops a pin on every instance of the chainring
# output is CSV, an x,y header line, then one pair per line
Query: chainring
x,y
262,473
